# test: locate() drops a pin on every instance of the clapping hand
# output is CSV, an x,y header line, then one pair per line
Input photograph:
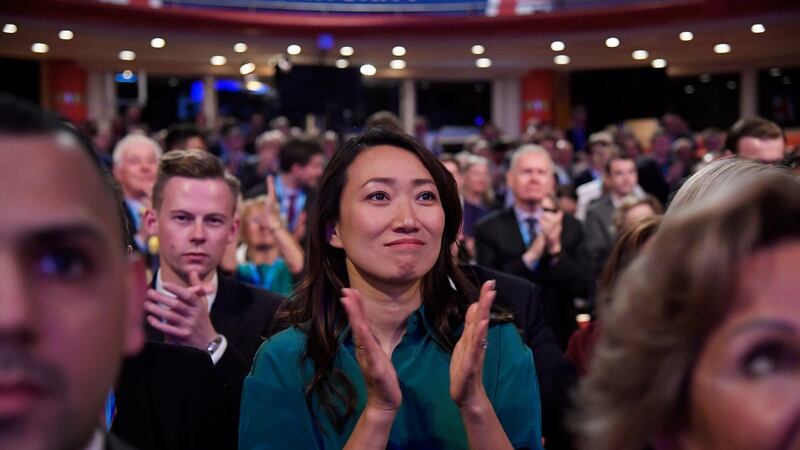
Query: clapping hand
x,y
466,365
383,389
184,319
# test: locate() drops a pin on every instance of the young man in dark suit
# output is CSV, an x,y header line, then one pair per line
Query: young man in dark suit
x,y
194,217
535,241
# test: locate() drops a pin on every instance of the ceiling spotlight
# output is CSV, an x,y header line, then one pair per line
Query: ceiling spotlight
x,y
478,49
722,48
240,47
397,64
346,51
158,42
254,86
686,36
218,60
284,64
659,63
342,63
40,48
368,70
758,28
9,28
483,63
705,77
640,54
127,74
127,55
247,68
294,49
561,60
66,35
689,89
775,72
612,42
730,85
557,46
399,50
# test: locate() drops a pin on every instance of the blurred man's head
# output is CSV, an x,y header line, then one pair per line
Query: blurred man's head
x,y
135,165
621,175
757,139
184,136
67,310
530,176
268,145
194,214
301,159
599,144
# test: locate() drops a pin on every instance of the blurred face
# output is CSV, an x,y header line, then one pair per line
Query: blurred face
x,y
622,176
67,316
391,219
137,171
195,143
310,173
452,167
745,389
600,154
256,233
661,146
477,179
637,213
268,155
764,150
531,178
567,204
194,224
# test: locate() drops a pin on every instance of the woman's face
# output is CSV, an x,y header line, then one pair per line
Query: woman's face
x,y
745,389
256,234
391,218
477,178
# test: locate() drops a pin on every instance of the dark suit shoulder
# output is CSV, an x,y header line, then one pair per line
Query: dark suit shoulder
x,y
495,217
244,295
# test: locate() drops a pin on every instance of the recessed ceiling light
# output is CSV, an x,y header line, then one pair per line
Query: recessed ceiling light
x,y
218,60
127,74
127,55
246,68
40,48
640,54
478,49
686,36
240,47
557,46
342,63
730,85
758,28
787,80
368,70
346,51
254,85
294,49
399,50
66,35
689,89
612,42
483,63
9,28
705,77
775,72
561,60
722,48
397,64
158,42
659,63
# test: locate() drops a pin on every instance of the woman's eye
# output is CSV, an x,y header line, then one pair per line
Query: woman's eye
x,y
427,196
66,264
769,359
380,196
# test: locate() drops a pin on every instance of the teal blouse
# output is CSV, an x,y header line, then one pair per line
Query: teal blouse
x,y
273,277
274,413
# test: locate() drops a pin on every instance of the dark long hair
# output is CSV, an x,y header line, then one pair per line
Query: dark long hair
x,y
315,309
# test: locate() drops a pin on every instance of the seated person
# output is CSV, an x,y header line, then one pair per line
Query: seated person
x,y
388,348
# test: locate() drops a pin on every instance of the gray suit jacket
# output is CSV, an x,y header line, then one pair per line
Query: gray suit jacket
x,y
600,232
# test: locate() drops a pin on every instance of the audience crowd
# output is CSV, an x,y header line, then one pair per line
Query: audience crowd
x,y
253,286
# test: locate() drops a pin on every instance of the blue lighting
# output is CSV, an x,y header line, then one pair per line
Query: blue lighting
x,y
196,91
227,85
479,121
120,78
325,41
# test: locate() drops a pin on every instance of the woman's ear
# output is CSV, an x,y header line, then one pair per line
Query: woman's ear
x,y
332,233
